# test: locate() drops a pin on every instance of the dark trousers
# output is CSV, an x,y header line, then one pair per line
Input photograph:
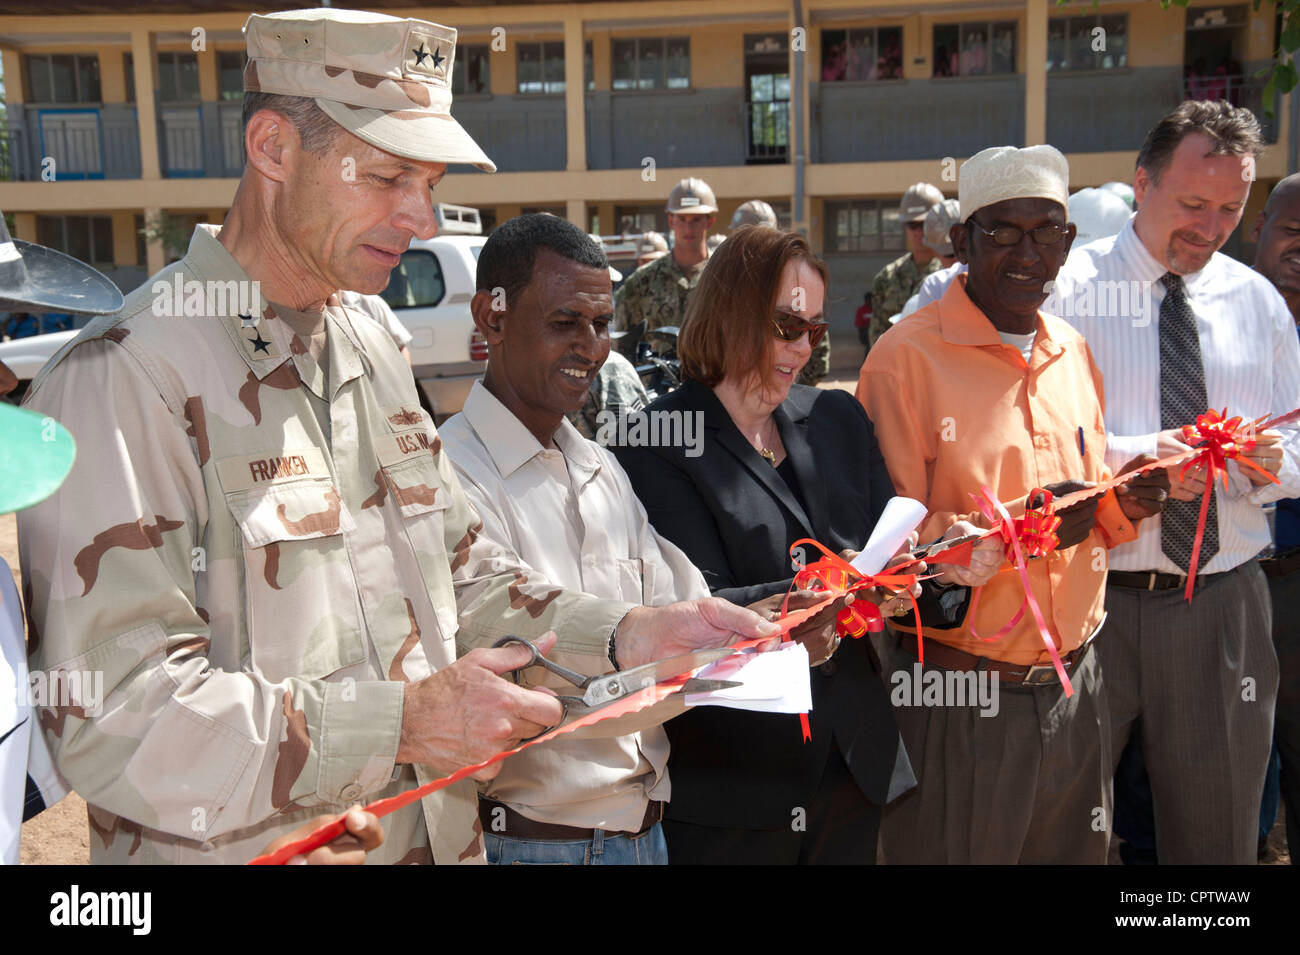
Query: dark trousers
x,y
1286,733
1202,679
838,827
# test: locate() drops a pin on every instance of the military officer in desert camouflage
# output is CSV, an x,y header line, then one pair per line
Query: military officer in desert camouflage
x,y
261,547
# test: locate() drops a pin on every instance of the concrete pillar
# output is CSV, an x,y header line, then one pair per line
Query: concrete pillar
x,y
575,99
1035,72
144,55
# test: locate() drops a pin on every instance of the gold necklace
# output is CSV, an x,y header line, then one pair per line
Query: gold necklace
x,y
768,454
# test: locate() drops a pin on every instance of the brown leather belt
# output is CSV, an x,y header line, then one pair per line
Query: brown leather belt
x,y
1026,674
1281,565
499,818
1150,580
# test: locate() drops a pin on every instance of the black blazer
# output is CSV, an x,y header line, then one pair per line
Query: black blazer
x,y
734,516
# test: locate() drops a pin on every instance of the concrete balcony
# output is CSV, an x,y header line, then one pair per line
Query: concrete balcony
x,y
700,127
519,133
890,120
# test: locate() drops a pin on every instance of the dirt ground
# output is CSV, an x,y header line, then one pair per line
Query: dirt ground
x,y
61,836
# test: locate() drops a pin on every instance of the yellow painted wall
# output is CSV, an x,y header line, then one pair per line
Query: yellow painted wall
x,y
1155,35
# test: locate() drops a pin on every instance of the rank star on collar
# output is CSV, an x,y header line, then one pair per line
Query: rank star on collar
x,y
259,344
247,321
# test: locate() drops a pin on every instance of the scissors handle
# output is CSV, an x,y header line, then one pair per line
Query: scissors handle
x,y
580,680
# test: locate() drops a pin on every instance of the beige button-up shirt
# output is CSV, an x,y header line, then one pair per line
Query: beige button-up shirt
x,y
570,513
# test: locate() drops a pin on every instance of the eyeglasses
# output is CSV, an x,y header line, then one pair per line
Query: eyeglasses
x,y
1008,235
790,328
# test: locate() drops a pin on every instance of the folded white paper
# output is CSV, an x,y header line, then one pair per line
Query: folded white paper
x,y
901,516
773,682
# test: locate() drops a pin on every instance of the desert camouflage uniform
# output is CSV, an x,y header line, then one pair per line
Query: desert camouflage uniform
x,y
656,294
894,285
258,555
617,389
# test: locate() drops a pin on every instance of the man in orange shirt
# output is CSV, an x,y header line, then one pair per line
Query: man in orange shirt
x,y
981,389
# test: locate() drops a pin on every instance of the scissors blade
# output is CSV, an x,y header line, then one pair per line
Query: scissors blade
x,y
615,686
939,547
709,686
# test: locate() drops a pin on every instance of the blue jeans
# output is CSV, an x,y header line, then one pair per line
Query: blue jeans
x,y
648,848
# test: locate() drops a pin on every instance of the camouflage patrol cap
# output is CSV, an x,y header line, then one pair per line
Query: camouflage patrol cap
x,y
939,219
692,196
916,202
385,80
754,212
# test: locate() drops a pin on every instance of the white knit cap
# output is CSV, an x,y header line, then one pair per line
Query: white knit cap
x,y
1005,172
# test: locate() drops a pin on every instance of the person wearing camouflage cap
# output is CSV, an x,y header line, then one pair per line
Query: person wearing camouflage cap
x,y
899,280
262,547
657,294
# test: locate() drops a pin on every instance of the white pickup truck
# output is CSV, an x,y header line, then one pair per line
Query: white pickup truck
x,y
430,290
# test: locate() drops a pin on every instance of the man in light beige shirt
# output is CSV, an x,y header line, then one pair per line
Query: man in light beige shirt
x,y
566,508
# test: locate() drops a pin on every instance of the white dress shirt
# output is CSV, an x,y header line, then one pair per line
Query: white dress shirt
x,y
1110,291
936,284
571,514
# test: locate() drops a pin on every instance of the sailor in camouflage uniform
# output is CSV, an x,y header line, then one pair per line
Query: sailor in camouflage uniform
x,y
261,546
901,279
656,294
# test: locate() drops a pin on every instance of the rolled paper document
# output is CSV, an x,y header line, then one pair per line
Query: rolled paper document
x,y
901,516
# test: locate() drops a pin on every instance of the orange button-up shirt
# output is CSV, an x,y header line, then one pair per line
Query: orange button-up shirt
x,y
955,409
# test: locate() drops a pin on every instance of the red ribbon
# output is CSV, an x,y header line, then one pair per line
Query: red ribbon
x,y
1033,535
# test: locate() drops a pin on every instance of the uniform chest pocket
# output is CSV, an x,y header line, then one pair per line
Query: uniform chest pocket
x,y
301,608
416,487
417,494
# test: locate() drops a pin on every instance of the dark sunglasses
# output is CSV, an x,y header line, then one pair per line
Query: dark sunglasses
x,y
1008,235
790,328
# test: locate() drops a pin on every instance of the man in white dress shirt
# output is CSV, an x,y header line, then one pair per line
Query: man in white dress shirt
x,y
1176,329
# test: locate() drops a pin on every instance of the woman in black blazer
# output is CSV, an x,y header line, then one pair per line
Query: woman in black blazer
x,y
776,462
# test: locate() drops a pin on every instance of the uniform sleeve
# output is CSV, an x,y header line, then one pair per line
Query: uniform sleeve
x,y
627,304
147,727
883,308
498,595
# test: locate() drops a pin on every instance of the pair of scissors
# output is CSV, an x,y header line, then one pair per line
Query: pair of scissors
x,y
601,691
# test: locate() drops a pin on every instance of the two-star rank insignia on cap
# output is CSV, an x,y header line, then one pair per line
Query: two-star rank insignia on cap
x,y
427,57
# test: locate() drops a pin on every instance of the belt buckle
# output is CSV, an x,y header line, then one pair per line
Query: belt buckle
x,y
1040,674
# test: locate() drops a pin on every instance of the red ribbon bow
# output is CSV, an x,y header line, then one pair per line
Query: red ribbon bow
x,y
1220,439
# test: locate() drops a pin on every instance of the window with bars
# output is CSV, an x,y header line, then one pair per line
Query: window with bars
x,y
651,63
178,77
1087,43
979,48
472,73
62,78
539,67
864,225
864,53
230,74
88,238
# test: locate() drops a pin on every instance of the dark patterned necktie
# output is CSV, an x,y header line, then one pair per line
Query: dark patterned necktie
x,y
1182,398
